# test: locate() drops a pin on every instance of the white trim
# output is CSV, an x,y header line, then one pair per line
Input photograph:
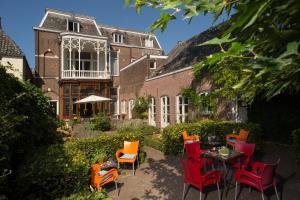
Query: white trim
x,y
46,29
49,77
184,114
127,45
41,55
69,15
164,111
152,112
158,57
157,42
97,28
57,106
121,29
44,18
133,63
170,73
83,35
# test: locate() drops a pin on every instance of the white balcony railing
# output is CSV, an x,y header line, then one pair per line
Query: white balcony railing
x,y
85,74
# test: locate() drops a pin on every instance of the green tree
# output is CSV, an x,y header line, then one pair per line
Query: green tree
x,y
259,51
140,107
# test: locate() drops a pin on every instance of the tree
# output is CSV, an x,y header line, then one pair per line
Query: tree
x,y
259,50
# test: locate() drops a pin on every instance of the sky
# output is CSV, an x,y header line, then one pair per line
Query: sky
x,y
20,16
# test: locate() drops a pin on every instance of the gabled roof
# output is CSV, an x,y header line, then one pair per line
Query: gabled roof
x,y
188,53
8,47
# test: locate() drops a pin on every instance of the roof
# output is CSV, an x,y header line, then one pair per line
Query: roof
x,y
8,47
188,53
57,20
131,37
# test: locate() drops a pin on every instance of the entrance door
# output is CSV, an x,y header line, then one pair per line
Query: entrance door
x,y
53,107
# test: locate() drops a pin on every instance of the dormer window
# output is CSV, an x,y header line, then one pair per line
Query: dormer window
x,y
73,26
118,38
148,42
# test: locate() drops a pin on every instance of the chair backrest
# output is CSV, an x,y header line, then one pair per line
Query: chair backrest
x,y
192,171
131,147
185,135
268,172
247,148
193,150
243,134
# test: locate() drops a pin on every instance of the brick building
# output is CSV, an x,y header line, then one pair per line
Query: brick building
x,y
76,57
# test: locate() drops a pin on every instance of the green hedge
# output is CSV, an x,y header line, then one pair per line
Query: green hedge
x,y
63,169
296,142
173,142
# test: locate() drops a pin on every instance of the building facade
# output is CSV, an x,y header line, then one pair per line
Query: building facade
x,y
11,55
76,57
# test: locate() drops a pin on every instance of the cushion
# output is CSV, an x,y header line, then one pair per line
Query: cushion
x,y
102,172
232,140
128,156
107,177
189,141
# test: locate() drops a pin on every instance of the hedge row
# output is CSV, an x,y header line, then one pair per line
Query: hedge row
x,y
63,169
296,142
173,142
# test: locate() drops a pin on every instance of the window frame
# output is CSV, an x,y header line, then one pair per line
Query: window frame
x,y
182,116
118,38
154,64
165,111
152,111
73,23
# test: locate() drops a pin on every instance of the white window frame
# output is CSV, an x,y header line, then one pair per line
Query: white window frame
x,y
149,42
130,108
118,38
154,63
123,107
57,106
181,112
74,23
117,66
151,112
165,111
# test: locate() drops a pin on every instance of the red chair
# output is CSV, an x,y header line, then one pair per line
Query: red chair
x,y
246,159
189,139
194,176
194,152
261,177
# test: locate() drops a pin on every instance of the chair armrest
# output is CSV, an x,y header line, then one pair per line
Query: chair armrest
x,y
212,176
232,136
248,174
111,171
118,152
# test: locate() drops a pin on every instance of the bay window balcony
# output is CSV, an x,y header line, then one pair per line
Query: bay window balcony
x,y
84,58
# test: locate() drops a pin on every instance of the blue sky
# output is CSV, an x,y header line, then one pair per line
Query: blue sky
x,y
19,16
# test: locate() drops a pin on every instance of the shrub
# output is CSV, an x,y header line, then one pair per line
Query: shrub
x,y
141,126
296,142
100,122
140,108
173,142
62,170
153,141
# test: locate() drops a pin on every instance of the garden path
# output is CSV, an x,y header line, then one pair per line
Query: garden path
x,y
160,177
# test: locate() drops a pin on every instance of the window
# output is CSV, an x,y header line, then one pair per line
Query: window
x,y
114,63
123,107
86,61
165,111
205,106
118,38
152,112
148,42
73,26
152,64
182,109
130,107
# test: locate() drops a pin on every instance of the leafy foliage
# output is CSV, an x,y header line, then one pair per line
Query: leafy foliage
x,y
133,126
140,107
173,142
25,124
99,122
262,58
62,170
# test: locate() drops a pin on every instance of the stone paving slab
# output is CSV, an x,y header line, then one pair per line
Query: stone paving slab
x,y
160,177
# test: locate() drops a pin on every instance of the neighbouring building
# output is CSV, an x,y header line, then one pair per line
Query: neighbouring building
x,y
76,57
11,55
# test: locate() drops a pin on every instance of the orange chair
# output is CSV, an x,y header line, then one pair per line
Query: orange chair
x,y
232,138
101,177
129,154
189,138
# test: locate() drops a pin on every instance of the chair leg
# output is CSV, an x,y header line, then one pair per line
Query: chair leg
x,y
183,191
200,195
218,191
276,192
262,196
118,165
116,183
138,161
235,195
133,169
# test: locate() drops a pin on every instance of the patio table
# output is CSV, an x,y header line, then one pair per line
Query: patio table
x,y
224,160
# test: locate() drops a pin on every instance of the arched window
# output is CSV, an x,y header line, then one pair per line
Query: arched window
x,y
130,107
165,111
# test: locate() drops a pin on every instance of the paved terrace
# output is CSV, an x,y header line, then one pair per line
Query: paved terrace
x,y
160,177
